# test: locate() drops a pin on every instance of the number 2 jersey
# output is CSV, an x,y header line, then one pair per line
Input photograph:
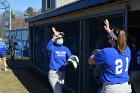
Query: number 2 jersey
x,y
114,65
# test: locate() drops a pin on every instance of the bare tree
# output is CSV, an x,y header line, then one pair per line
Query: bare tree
x,y
2,25
18,20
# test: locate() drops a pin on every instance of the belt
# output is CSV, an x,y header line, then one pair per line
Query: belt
x,y
105,83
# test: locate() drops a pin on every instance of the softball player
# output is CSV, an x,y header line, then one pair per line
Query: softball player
x,y
114,62
3,53
58,61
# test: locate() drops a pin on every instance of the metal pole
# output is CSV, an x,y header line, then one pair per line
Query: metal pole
x,y
126,19
81,58
9,17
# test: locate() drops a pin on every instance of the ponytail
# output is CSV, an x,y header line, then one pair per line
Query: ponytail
x,y
121,39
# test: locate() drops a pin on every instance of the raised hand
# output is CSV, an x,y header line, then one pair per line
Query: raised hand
x,y
106,26
54,31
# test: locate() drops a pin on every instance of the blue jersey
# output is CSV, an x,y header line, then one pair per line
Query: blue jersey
x,y
58,55
114,66
2,48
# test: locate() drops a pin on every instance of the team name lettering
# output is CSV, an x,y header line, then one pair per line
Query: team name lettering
x,y
60,53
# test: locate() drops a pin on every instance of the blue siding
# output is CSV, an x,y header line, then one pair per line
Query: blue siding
x,y
66,9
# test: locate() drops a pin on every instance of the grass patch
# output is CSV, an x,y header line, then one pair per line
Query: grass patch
x,y
18,80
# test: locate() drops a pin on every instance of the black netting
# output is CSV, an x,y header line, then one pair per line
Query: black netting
x,y
73,39
39,47
98,38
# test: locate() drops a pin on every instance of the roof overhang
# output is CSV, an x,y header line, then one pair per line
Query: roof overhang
x,y
69,8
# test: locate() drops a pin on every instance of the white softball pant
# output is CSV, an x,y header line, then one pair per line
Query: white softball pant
x,y
56,79
116,88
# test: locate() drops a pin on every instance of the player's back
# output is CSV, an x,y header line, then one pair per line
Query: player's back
x,y
115,68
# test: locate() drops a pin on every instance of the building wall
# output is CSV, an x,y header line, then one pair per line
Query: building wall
x,y
43,5
60,3
56,4
133,6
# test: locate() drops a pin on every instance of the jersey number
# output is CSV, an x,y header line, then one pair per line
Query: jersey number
x,y
119,65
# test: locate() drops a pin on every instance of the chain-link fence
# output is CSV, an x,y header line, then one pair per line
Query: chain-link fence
x,y
22,39
82,36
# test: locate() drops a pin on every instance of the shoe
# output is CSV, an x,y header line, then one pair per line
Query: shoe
x,y
5,69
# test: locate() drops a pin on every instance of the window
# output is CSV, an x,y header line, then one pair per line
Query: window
x,y
48,4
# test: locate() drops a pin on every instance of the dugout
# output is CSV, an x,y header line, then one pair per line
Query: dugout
x,y
82,23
